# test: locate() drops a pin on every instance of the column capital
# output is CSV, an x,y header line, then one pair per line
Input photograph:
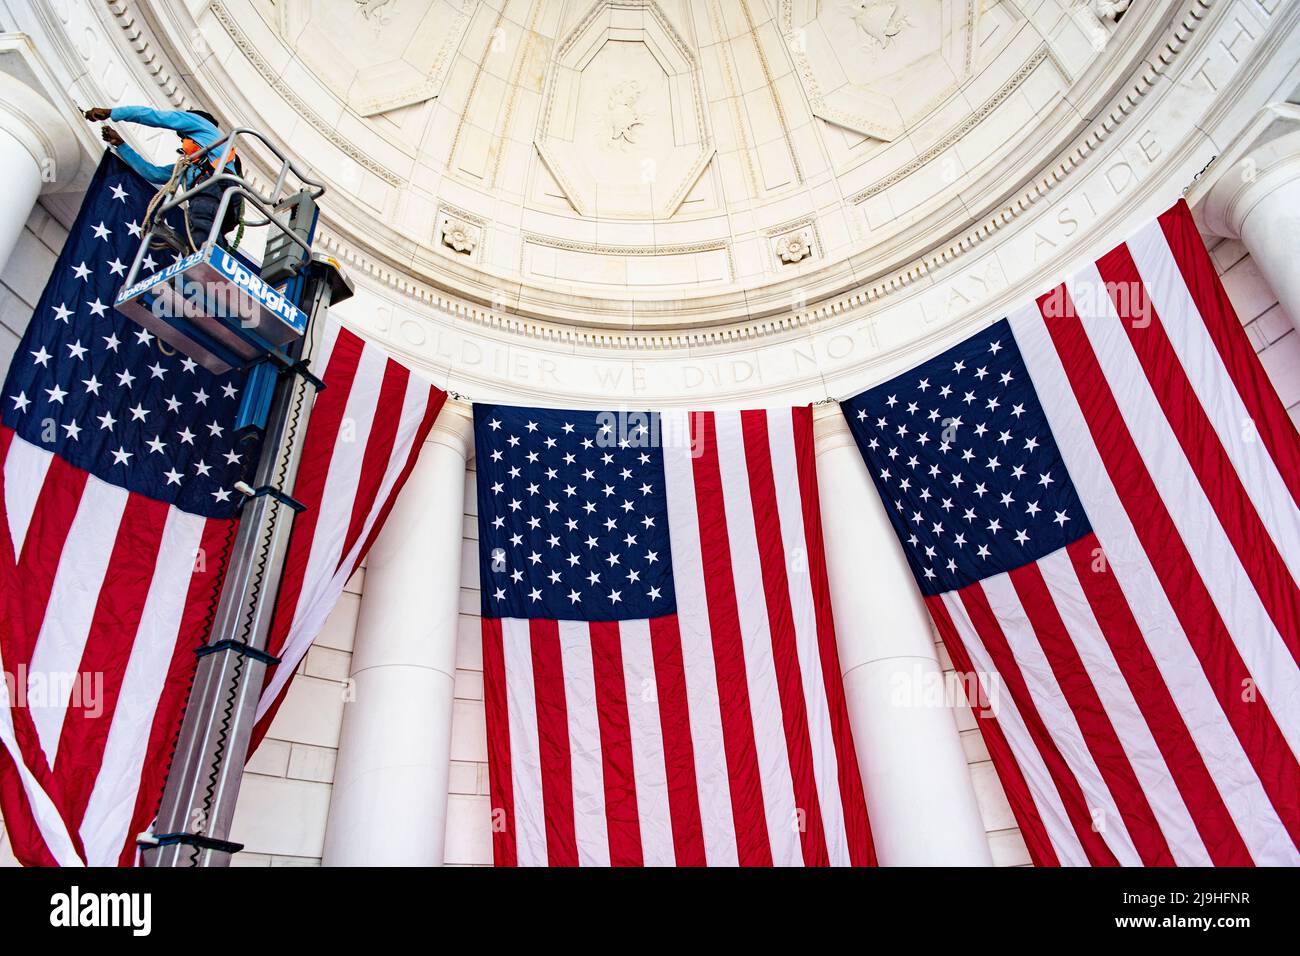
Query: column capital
x,y
1261,161
454,428
30,116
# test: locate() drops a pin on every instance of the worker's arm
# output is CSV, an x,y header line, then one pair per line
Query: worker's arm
x,y
150,171
187,124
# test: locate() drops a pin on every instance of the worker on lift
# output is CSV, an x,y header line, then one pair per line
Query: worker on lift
x,y
197,130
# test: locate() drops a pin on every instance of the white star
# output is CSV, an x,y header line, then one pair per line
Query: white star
x,y
111,341
21,401
653,594
202,468
42,357
119,193
61,312
983,551
186,436
494,424
173,477
121,457
92,385
575,597
139,413
995,347
1031,444
107,421
76,350
142,337
535,594
221,494
133,228
531,426
995,526
499,594
56,394
157,371
125,378
173,404
73,430
1061,518
201,397
215,429
117,267
189,365
98,308
615,596
1046,479
1021,537
81,271
155,444
228,390
651,557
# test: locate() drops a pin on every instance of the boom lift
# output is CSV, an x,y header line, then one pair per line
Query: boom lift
x,y
225,311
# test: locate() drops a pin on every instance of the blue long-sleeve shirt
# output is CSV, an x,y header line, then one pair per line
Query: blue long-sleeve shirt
x,y
186,124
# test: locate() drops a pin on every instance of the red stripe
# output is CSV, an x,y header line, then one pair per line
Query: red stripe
x,y
785,651
1046,626
1204,450
752,844
862,851
317,453
621,812
1256,391
1128,645
196,619
379,450
1013,780
109,643
679,749
500,783
1004,661
1209,637
553,743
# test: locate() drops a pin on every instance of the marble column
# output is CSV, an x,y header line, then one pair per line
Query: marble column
x,y
38,153
1256,199
918,785
389,804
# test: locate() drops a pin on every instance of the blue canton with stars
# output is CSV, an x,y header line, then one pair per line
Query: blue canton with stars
x,y
965,462
102,392
572,515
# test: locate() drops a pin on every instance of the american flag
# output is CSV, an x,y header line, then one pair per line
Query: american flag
x,y
119,461
661,680
1098,498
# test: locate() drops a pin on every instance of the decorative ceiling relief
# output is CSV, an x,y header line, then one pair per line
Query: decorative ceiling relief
x,y
376,55
623,128
876,66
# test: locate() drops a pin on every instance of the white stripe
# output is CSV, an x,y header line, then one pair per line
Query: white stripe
x,y
525,753
651,775
1261,646
1225,759
320,363
756,638
1042,788
1049,700
1218,395
112,803
25,469
65,628
323,582
711,776
789,504
590,826
1122,709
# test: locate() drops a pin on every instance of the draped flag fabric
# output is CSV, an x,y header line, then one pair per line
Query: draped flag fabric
x,y
661,680
119,461
1098,498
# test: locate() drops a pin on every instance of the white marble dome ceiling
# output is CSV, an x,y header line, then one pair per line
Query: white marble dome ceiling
x,y
654,164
